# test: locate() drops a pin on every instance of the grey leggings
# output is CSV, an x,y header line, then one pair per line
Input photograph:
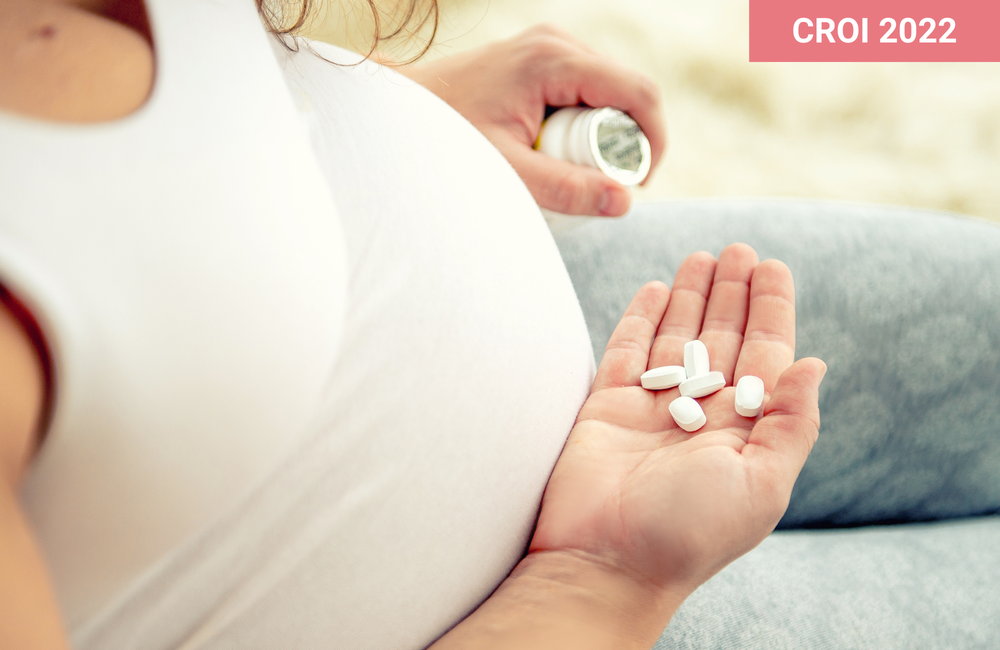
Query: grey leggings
x,y
904,306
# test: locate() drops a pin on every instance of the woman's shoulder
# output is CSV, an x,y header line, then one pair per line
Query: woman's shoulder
x,y
65,64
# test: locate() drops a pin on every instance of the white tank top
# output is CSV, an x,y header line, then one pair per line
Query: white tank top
x,y
280,423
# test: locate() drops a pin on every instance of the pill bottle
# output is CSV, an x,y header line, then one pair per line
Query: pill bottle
x,y
603,138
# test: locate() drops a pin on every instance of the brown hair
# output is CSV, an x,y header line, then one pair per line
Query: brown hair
x,y
288,17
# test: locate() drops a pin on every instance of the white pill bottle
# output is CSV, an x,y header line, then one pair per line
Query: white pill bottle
x,y
603,138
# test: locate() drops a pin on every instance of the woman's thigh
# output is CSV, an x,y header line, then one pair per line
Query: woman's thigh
x,y
903,305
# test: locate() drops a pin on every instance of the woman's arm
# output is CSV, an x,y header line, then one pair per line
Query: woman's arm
x,y
29,616
638,512
565,600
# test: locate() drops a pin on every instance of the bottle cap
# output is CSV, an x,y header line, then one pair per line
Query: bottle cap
x,y
620,148
604,138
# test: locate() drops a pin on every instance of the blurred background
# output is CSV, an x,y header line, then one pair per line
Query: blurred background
x,y
919,134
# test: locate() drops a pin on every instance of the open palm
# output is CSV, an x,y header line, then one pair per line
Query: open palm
x,y
633,490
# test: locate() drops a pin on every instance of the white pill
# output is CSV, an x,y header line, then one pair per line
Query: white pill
x,y
703,384
695,359
687,414
663,377
749,395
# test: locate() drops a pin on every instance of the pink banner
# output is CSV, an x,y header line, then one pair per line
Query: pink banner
x,y
874,30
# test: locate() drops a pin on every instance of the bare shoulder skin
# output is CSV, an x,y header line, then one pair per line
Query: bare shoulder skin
x,y
74,61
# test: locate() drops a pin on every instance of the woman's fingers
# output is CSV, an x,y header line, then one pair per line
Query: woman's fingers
x,y
565,187
769,341
726,313
743,311
627,353
682,322
596,81
781,441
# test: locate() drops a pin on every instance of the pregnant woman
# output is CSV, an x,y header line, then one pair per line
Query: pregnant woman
x,y
292,361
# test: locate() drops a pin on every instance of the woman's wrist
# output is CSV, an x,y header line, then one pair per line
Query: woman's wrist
x,y
568,599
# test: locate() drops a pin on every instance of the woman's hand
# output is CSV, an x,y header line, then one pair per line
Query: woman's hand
x,y
638,512
503,90
636,494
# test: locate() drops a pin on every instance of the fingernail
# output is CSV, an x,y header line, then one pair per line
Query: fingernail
x,y
614,202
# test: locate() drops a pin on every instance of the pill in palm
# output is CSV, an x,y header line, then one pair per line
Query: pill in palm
x,y
687,414
703,385
695,359
663,377
749,395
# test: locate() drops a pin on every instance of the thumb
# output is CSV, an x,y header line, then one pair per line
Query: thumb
x,y
564,187
781,441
